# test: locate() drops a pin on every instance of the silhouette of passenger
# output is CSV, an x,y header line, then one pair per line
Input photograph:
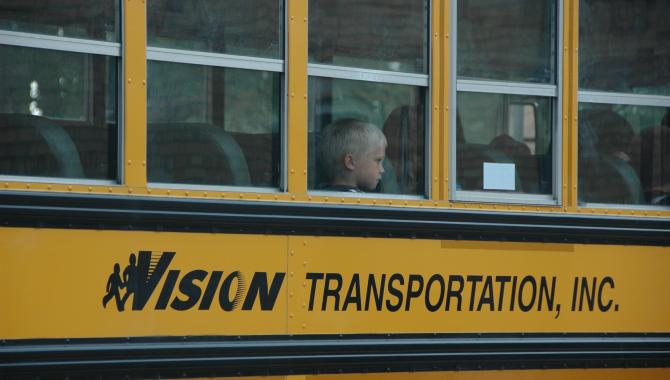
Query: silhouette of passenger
x,y
129,279
113,285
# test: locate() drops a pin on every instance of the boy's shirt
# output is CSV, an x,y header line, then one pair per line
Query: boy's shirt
x,y
345,188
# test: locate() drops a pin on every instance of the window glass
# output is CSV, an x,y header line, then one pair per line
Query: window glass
x,y
511,130
396,110
383,35
507,40
239,27
624,46
90,19
624,154
57,114
213,125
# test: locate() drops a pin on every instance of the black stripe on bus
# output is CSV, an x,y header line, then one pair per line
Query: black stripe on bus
x,y
51,210
314,354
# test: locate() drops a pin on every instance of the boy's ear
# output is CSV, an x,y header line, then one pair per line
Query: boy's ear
x,y
349,161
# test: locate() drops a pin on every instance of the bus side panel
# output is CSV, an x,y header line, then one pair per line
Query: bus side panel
x,y
73,284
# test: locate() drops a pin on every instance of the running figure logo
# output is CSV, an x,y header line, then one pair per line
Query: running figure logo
x,y
139,279
115,283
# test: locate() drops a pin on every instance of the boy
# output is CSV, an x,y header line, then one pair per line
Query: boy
x,y
351,153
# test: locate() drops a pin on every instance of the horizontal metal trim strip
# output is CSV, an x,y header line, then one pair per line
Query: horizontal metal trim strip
x,y
367,75
623,98
59,210
75,45
507,88
214,59
502,197
331,353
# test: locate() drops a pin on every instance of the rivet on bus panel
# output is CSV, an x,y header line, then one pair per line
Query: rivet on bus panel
x,y
27,186
6,185
304,242
186,193
304,326
293,197
304,263
292,253
49,187
291,274
204,194
90,188
69,188
130,190
290,294
290,316
241,196
130,162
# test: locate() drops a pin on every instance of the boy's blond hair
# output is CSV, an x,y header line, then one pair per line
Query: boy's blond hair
x,y
346,136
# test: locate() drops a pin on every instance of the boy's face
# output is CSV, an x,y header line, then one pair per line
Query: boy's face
x,y
368,167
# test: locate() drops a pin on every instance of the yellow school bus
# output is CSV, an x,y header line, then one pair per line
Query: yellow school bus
x,y
166,209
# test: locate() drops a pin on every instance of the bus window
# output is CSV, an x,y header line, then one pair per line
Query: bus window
x,y
58,112
509,129
214,92
624,103
507,100
86,19
368,63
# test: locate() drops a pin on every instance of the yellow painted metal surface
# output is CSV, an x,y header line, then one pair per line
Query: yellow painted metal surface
x,y
571,374
134,94
555,374
296,63
627,281
570,84
54,283
437,121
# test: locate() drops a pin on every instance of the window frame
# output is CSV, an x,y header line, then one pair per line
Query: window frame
x,y
424,81
233,61
486,86
86,47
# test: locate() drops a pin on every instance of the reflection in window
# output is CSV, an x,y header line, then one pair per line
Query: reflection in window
x,y
507,40
58,114
398,110
511,130
240,27
89,19
383,35
624,154
624,46
213,126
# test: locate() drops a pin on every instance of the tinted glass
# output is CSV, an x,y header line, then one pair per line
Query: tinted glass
x,y
513,133
90,19
383,35
213,126
624,154
57,114
240,27
507,40
624,46
398,110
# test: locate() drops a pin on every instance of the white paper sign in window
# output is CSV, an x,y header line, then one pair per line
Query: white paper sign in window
x,y
499,176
